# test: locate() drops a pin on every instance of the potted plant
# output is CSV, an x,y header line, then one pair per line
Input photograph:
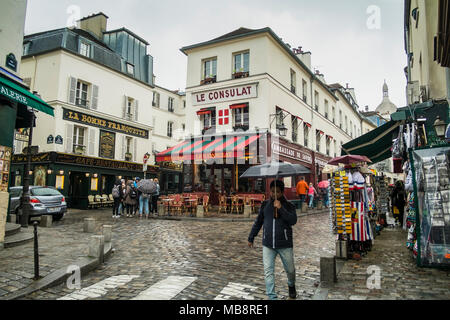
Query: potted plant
x,y
128,156
79,149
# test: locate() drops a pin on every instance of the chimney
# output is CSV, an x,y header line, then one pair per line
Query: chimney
x,y
304,57
367,108
95,24
320,76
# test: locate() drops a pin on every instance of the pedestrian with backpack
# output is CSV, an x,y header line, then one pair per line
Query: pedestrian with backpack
x,y
276,216
135,184
117,196
130,199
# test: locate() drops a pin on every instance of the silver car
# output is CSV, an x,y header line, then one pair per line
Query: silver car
x,y
44,200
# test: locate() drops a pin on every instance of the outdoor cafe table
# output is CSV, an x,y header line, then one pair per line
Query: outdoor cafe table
x,y
168,205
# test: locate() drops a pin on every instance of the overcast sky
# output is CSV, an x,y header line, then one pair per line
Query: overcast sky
x,y
359,42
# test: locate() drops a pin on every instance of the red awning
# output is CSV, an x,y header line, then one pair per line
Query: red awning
x,y
198,149
238,106
307,124
200,112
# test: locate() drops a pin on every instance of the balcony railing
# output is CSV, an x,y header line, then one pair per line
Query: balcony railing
x,y
242,127
79,149
128,156
292,89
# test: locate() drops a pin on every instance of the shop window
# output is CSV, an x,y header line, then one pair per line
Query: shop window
x,y
79,145
241,65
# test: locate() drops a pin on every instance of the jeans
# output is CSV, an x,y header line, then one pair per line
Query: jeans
x,y
311,200
154,203
302,198
143,205
287,257
116,206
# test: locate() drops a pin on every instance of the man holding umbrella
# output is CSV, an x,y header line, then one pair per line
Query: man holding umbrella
x,y
277,216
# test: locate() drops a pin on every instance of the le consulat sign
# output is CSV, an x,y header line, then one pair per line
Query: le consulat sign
x,y
98,122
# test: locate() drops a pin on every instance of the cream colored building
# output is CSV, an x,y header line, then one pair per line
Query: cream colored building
x,y
428,79
270,78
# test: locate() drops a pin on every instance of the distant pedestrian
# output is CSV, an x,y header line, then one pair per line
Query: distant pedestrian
x,y
131,198
302,190
277,216
311,193
155,197
122,204
117,196
135,183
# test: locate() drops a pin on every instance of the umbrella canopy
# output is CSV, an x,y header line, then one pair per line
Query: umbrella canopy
x,y
349,159
146,186
324,184
275,169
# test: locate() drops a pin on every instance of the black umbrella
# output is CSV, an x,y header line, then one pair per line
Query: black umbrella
x,y
275,169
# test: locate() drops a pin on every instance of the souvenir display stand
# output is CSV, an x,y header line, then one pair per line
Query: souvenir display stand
x,y
350,214
430,201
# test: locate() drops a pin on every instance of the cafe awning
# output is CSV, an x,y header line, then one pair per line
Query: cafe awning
x,y
15,92
375,144
204,148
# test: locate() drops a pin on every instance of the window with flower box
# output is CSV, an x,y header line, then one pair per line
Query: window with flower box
x,y
241,63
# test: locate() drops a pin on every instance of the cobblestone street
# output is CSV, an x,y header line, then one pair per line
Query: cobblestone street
x,y
209,259
215,253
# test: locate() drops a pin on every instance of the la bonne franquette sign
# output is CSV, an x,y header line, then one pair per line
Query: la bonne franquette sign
x,y
225,94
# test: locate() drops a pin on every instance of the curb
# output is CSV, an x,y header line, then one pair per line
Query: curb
x,y
86,264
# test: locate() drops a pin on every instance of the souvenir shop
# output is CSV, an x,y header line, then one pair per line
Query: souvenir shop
x,y
416,140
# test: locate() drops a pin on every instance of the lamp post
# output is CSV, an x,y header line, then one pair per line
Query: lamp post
x,y
439,126
25,205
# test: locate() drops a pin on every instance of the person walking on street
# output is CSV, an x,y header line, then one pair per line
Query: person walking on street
x,y
277,216
117,196
302,190
144,200
135,183
155,197
130,198
311,193
398,196
122,197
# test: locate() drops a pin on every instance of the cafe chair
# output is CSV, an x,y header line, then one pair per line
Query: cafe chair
x,y
205,204
235,204
191,205
177,204
98,201
223,203
92,203
106,200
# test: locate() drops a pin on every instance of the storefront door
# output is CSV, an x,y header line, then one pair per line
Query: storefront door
x,y
78,190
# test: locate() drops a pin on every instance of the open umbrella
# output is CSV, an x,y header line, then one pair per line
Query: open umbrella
x,y
349,159
323,184
275,169
146,186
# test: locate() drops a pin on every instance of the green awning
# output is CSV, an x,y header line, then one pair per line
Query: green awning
x,y
15,92
375,144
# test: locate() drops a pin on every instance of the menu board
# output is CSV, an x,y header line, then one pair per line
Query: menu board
x,y
5,162
107,144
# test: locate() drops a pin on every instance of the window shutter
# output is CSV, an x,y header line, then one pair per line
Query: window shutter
x,y
72,89
94,97
91,142
124,146
135,149
69,138
136,105
124,108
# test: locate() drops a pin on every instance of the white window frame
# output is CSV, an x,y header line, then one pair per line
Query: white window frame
x,y
130,68
85,49
293,81
170,128
239,113
76,137
156,99
242,67
209,73
79,91
170,104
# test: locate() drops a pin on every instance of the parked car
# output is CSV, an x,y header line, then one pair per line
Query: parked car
x,y
44,200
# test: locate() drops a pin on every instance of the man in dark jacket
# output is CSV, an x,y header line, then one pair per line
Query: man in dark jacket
x,y
276,216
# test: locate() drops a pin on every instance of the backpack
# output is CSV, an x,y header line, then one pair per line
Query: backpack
x,y
133,193
115,192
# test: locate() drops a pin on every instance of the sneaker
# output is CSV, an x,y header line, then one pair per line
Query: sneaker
x,y
292,292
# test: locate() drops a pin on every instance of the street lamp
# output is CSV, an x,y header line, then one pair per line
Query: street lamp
x,y
281,128
439,126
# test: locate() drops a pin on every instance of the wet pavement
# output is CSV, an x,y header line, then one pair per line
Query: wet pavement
x,y
194,259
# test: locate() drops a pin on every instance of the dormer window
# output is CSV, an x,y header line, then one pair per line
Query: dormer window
x,y
85,49
130,68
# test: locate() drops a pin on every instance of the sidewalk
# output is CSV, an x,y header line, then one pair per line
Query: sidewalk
x,y
400,278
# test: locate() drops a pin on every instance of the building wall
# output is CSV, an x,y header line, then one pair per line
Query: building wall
x,y
12,24
270,67
421,43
